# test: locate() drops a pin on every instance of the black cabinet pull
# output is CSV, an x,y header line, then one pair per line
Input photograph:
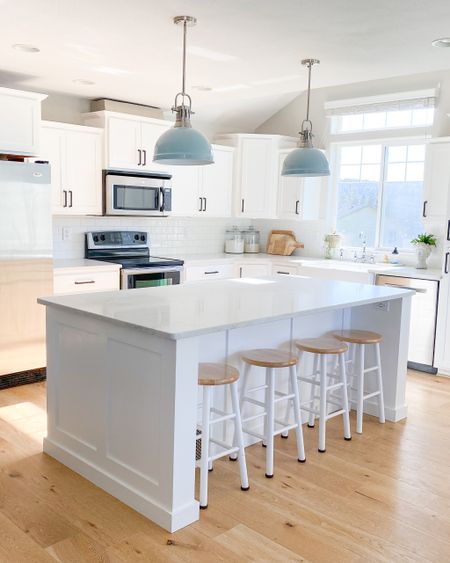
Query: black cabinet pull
x,y
140,157
65,198
285,273
447,256
204,207
242,205
71,198
448,229
212,272
296,207
424,208
200,204
84,282
145,157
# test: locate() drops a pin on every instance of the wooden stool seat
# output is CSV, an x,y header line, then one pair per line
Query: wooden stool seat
x,y
269,358
358,336
217,374
321,345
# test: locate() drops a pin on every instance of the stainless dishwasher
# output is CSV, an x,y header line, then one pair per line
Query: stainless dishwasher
x,y
424,306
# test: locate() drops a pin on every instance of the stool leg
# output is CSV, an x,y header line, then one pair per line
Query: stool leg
x,y
323,403
347,433
360,390
266,402
205,447
312,391
381,416
233,457
239,437
270,408
297,415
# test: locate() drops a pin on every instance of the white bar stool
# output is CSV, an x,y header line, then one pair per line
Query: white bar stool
x,y
325,381
209,376
358,340
271,359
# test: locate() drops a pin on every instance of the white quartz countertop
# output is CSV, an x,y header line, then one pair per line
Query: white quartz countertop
x,y
196,308
75,264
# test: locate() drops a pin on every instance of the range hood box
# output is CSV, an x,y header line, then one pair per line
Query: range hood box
x,y
106,104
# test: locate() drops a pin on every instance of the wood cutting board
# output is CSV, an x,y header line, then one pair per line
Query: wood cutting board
x,y
282,243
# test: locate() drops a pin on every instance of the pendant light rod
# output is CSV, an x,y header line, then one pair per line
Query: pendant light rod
x,y
309,64
185,21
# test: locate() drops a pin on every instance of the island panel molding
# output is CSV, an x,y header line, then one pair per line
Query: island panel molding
x,y
123,395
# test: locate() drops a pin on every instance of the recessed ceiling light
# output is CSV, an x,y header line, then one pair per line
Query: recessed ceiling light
x,y
442,42
24,48
83,82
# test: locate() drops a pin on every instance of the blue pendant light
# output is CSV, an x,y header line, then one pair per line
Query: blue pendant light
x,y
183,145
305,160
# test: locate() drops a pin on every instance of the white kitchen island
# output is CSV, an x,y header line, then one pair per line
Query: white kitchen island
x,y
122,371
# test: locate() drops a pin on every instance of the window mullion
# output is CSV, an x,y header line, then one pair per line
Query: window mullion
x,y
380,197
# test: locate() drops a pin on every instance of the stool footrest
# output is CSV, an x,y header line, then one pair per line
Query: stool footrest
x,y
335,413
254,402
257,388
368,370
253,417
284,398
221,418
370,395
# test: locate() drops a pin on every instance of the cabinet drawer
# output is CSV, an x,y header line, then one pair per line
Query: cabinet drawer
x,y
217,271
283,269
254,270
81,281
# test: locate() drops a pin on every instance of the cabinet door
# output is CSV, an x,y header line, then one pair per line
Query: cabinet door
x,y
254,270
51,149
217,184
186,200
150,133
257,180
19,124
124,139
82,174
289,192
436,180
311,197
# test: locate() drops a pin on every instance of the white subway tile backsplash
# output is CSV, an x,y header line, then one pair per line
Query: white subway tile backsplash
x,y
170,236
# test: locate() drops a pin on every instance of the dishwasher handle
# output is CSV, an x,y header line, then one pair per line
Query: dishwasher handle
x,y
416,289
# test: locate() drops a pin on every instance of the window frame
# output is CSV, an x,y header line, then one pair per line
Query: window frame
x,y
335,166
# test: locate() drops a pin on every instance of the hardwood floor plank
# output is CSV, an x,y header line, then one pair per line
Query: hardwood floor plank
x,y
383,497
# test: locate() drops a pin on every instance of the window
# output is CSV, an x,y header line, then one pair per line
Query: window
x,y
379,193
376,120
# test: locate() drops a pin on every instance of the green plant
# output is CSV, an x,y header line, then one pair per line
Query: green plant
x,y
425,238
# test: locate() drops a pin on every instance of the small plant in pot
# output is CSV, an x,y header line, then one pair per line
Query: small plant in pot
x,y
424,244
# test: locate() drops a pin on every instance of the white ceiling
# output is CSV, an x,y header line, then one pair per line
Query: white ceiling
x,y
247,51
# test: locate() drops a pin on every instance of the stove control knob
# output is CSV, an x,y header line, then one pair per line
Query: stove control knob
x,y
95,237
102,237
143,238
136,237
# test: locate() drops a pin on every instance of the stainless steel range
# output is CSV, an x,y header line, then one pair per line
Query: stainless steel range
x,y
131,250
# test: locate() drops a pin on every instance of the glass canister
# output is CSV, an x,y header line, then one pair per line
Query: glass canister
x,y
251,240
234,241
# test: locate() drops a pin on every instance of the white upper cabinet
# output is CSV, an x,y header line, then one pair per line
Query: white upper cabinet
x,y
437,179
20,117
74,154
129,140
298,198
204,190
255,173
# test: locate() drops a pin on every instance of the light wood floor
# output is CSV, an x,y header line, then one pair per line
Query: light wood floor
x,y
384,496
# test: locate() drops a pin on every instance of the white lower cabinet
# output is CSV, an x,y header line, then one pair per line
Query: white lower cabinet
x,y
209,272
82,280
259,270
74,154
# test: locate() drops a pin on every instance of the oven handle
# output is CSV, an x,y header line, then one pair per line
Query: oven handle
x,y
133,271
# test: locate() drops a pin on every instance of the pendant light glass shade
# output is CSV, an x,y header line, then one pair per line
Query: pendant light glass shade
x,y
305,160
183,145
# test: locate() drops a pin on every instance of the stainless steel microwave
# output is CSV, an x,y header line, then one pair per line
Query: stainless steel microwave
x,y
136,193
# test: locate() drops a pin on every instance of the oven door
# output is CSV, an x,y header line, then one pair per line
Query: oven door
x,y
132,195
150,277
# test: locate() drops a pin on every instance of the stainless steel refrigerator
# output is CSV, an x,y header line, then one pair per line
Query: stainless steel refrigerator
x,y
26,267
